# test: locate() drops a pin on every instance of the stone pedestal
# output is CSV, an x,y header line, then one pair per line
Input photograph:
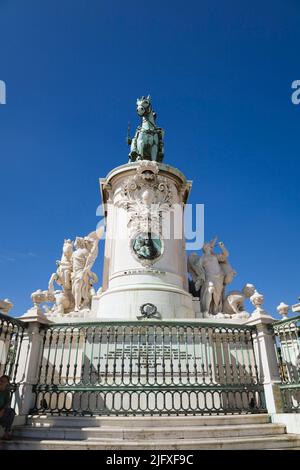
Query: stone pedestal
x,y
268,371
29,357
145,259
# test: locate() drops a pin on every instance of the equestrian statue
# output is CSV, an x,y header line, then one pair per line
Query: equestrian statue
x,y
147,143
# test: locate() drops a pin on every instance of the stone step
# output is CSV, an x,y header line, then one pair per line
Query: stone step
x,y
285,441
150,433
144,421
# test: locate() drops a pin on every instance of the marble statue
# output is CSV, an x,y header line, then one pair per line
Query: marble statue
x,y
83,258
5,306
234,301
63,274
147,143
63,299
211,273
73,275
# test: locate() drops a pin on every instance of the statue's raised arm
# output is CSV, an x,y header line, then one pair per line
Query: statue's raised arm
x,y
227,269
222,257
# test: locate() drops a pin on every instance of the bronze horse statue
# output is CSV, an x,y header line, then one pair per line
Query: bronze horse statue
x,y
147,144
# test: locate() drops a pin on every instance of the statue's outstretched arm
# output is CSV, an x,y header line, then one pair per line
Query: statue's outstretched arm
x,y
222,257
91,257
93,252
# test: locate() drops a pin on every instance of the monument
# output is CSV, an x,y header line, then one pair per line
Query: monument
x,y
164,334
145,259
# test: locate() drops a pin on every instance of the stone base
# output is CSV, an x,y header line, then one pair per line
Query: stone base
x,y
71,317
175,433
290,420
125,302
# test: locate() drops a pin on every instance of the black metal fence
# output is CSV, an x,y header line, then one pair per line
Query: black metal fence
x,y
287,336
11,337
148,368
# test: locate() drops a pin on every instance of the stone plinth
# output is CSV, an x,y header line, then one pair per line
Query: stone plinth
x,y
145,259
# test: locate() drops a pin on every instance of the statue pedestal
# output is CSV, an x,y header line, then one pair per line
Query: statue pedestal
x,y
145,260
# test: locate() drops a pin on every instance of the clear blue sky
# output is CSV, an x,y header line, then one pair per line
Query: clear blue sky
x,y
220,75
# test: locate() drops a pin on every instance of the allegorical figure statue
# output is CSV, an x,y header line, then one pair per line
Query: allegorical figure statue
x,y
83,258
234,301
64,268
147,143
74,275
210,274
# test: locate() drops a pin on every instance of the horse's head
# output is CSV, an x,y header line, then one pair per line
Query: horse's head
x,y
143,106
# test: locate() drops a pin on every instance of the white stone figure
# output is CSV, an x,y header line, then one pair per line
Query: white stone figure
x,y
73,275
234,301
5,306
64,301
83,258
196,271
63,274
211,272
91,278
283,310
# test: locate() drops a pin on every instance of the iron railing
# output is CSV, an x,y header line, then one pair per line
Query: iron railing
x,y
148,368
11,337
287,336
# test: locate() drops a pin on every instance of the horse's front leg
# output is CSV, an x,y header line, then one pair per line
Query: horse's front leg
x,y
154,148
133,150
140,147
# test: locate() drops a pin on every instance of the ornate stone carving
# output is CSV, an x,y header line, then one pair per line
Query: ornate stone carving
x,y
283,310
39,296
148,311
145,165
5,306
145,196
257,300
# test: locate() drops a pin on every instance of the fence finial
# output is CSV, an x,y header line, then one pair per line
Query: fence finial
x,y
283,310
